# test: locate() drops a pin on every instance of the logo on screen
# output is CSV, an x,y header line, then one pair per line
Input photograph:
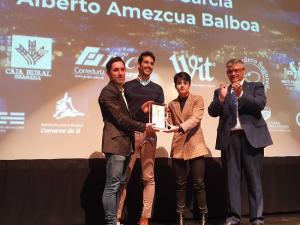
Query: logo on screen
x,y
298,119
256,72
274,125
31,52
266,113
92,61
291,76
88,63
293,71
90,56
11,120
196,66
30,57
64,108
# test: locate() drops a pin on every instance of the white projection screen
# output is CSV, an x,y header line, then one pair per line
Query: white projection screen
x,y
53,55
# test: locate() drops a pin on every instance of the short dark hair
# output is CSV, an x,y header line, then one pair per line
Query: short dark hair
x,y
183,75
233,61
145,54
113,60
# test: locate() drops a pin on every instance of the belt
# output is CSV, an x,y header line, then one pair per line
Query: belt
x,y
237,132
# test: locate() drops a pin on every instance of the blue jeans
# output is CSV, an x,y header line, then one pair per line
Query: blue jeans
x,y
116,171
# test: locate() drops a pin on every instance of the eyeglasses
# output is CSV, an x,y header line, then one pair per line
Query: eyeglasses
x,y
238,70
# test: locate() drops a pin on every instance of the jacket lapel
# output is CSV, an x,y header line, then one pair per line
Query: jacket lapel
x,y
120,97
176,106
246,87
187,107
228,98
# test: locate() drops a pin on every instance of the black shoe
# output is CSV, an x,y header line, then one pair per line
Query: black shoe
x,y
228,223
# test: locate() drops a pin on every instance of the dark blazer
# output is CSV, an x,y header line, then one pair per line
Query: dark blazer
x,y
119,127
250,106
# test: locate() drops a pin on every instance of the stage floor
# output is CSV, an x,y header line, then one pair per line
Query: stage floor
x,y
278,219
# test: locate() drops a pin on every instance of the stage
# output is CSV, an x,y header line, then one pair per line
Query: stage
x,y
69,191
271,219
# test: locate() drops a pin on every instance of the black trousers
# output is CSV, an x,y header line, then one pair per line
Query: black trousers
x,y
182,168
241,156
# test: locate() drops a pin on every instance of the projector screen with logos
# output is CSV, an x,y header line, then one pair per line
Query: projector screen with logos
x,y
53,55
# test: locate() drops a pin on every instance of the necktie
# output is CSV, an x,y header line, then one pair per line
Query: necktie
x,y
234,105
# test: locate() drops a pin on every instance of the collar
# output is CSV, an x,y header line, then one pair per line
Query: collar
x,y
183,98
121,89
143,82
242,81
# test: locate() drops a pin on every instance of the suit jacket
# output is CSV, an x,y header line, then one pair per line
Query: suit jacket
x,y
190,144
118,130
250,105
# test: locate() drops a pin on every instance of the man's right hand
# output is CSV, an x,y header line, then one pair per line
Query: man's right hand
x,y
146,106
150,129
222,92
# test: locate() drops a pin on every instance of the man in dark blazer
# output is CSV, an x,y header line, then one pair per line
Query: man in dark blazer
x,y
242,135
118,134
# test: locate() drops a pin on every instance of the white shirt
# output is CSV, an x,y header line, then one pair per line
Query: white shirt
x,y
123,95
143,82
238,125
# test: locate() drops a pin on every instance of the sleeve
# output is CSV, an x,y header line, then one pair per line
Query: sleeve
x,y
253,102
170,119
109,102
160,97
215,108
197,114
136,112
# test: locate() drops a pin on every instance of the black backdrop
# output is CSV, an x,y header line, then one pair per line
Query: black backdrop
x,y
68,191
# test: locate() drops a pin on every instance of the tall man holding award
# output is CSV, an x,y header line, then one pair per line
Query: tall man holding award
x,y
242,136
137,92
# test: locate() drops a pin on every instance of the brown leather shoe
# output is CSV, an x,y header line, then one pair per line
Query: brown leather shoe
x,y
144,221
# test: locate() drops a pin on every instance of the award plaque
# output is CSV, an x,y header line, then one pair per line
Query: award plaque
x,y
158,116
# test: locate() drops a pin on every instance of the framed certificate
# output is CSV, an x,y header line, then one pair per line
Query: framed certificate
x,y
158,116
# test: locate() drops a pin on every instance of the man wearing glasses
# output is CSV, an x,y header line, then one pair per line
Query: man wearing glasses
x,y
242,136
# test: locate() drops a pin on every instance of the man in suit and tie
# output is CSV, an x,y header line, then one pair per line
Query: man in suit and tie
x,y
118,135
242,135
